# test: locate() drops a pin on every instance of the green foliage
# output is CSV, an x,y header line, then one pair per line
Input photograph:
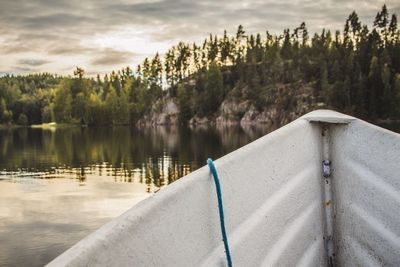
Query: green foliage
x,y
356,71
184,103
5,114
63,103
48,114
118,107
22,119
214,89
396,92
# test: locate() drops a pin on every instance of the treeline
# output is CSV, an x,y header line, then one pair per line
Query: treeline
x,y
118,98
356,71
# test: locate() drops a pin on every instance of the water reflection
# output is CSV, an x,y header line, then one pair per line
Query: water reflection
x,y
56,186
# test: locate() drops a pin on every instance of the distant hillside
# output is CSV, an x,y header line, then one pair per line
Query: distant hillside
x,y
246,79
282,103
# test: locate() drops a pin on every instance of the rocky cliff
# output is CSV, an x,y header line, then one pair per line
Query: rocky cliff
x,y
286,103
164,112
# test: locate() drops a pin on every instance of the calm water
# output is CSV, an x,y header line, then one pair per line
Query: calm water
x,y
57,186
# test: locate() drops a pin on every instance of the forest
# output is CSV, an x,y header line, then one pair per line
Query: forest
x,y
356,71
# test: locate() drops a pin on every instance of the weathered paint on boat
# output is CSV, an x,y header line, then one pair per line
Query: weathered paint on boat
x,y
280,210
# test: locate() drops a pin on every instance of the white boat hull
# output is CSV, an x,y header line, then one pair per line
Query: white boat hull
x,y
279,208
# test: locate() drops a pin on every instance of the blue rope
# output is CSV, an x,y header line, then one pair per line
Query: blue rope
x,y
221,210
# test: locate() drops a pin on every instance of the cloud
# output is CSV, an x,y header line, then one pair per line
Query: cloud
x,y
62,49
112,57
63,31
33,62
55,20
19,69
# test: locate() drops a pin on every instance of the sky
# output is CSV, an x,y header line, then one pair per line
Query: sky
x,y
56,36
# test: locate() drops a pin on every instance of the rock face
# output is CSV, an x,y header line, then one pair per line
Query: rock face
x,y
231,112
163,112
253,116
284,104
196,120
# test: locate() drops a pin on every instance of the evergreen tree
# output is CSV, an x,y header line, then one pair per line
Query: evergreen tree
x,y
184,103
214,88
396,93
170,68
286,47
381,22
5,114
225,48
63,103
156,71
374,85
388,97
212,49
355,71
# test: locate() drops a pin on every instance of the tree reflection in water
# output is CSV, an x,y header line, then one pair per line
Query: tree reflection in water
x,y
57,186
155,156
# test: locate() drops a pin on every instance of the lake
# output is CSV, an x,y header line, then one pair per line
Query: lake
x,y
59,185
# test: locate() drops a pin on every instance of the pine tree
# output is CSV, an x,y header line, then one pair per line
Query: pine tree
x,y
156,71
213,49
4,112
374,85
286,46
388,97
79,72
393,33
396,93
170,67
79,108
106,86
214,88
381,23
225,45
354,27
146,71
240,43
63,103
184,103
197,64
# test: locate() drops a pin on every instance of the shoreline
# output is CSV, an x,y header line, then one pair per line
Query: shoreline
x,y
207,122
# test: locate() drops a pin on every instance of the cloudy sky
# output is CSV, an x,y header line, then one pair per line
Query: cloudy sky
x,y
103,35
